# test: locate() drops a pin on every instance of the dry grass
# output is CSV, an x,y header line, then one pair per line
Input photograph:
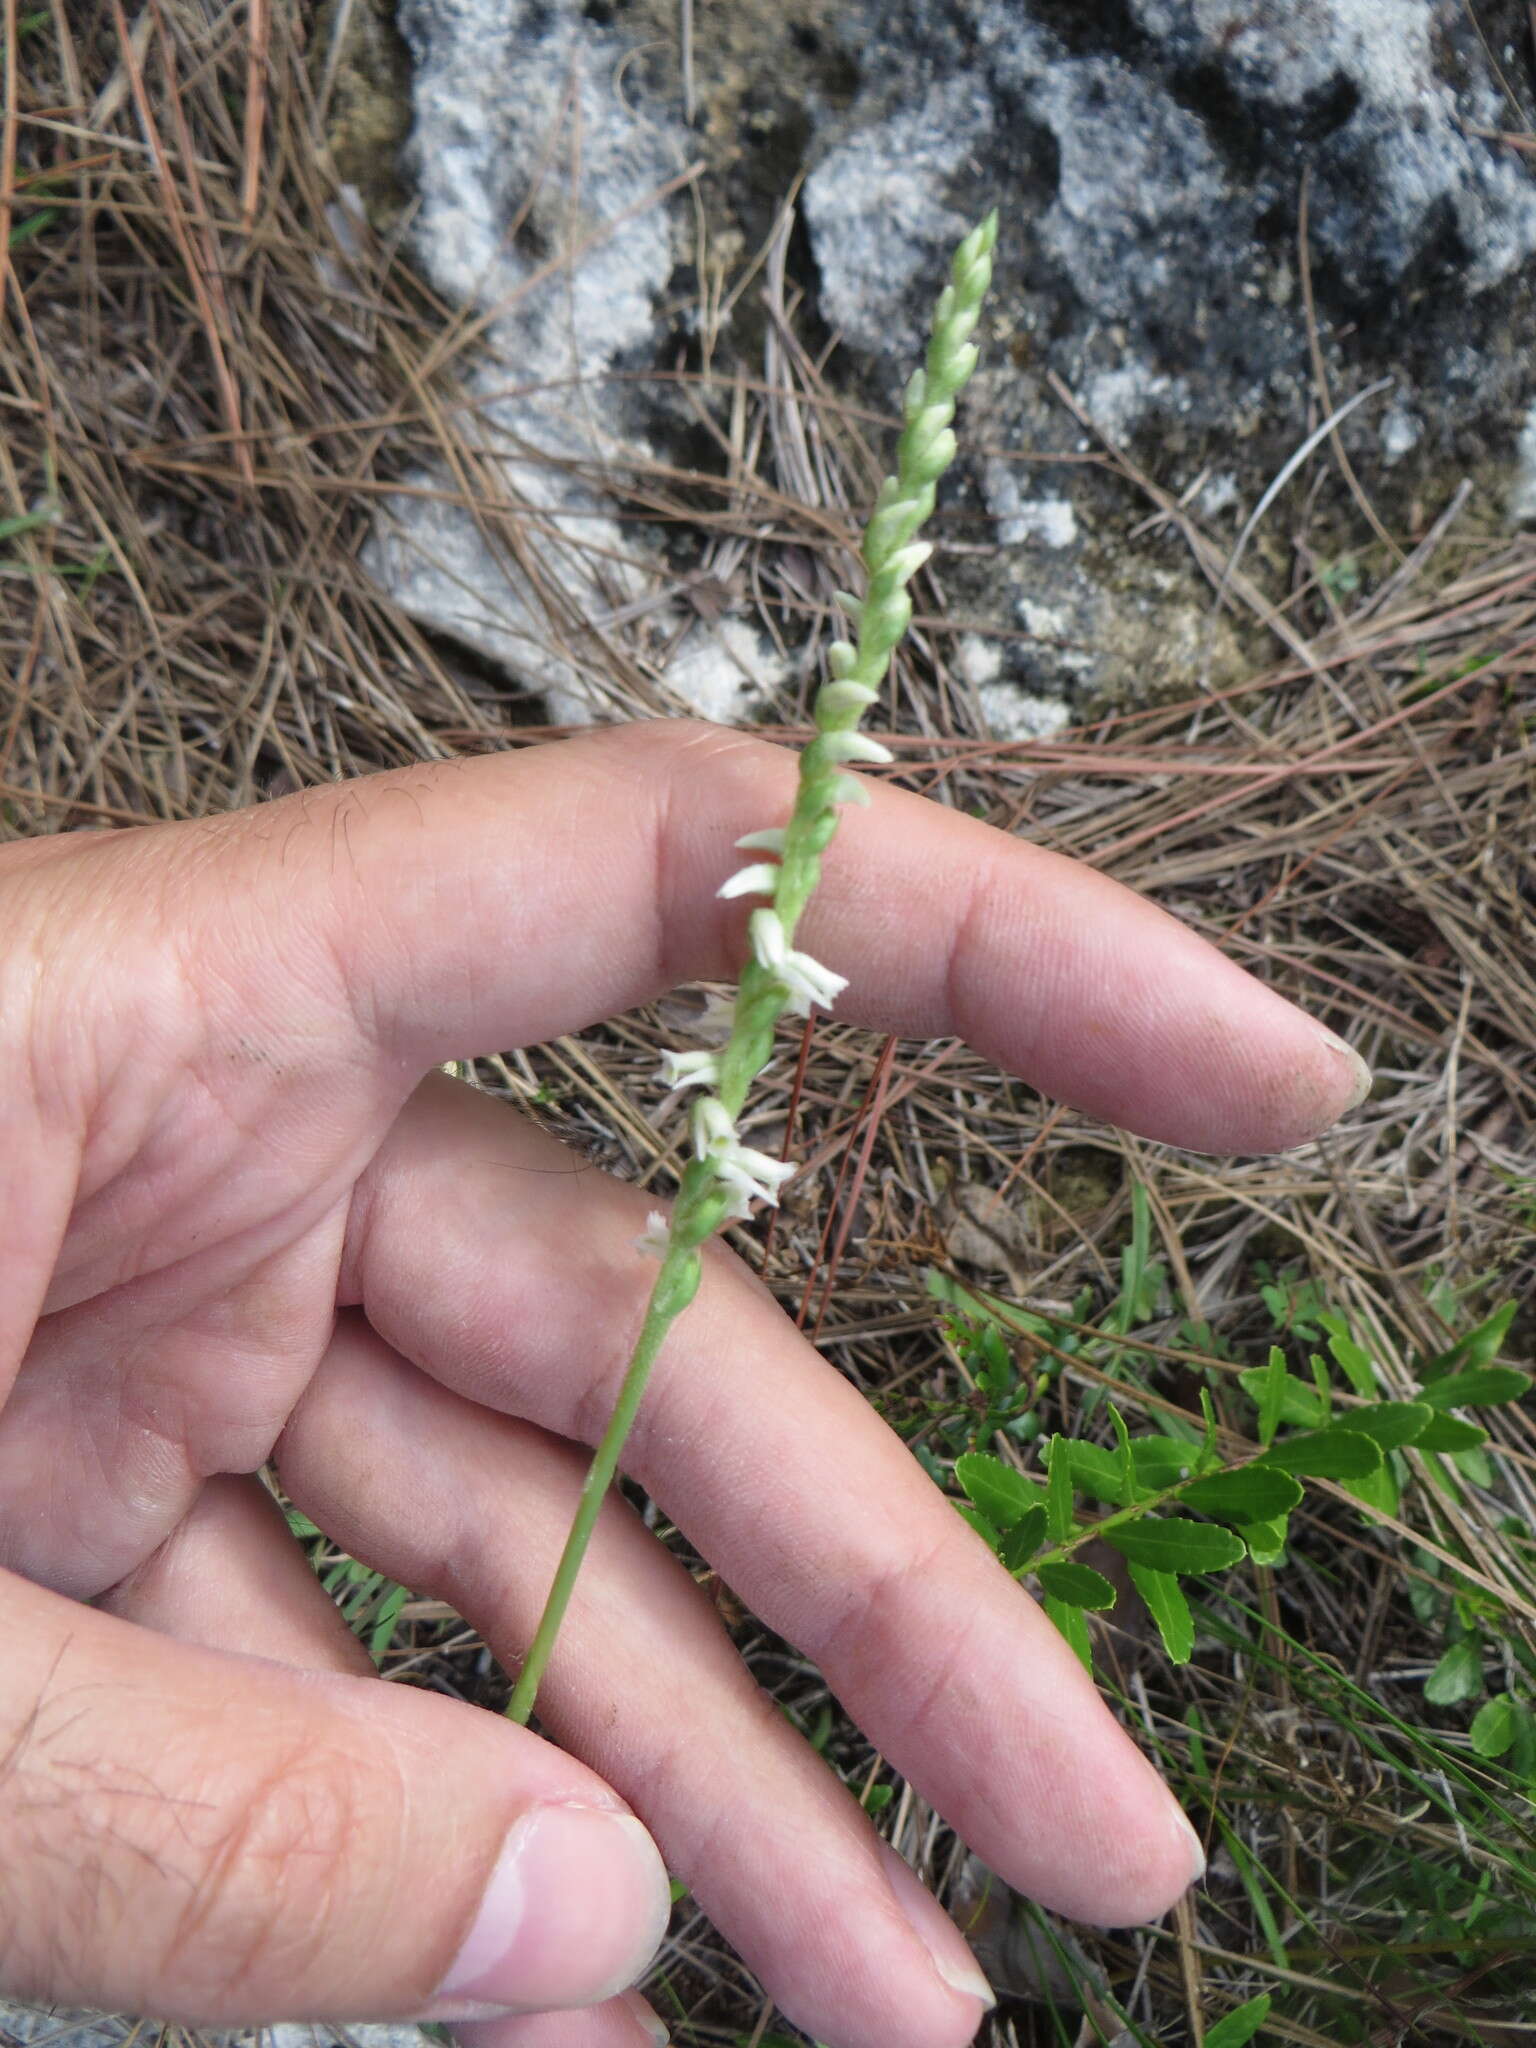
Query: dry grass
x,y
213,374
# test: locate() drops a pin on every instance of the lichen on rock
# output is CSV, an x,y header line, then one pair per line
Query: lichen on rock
x,y
1149,158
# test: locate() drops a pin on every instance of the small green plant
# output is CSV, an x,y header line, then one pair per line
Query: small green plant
x,y
726,1176
370,1603
1192,1498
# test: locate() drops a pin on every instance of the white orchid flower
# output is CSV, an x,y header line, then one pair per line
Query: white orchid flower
x,y
655,1240
761,879
689,1070
853,746
747,1175
806,979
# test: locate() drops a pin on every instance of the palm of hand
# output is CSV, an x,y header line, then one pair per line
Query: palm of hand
x,y
248,1226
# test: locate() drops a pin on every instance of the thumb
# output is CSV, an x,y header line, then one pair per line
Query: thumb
x,y
228,1842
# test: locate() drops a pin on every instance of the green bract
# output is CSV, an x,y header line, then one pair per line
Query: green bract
x,y
726,1176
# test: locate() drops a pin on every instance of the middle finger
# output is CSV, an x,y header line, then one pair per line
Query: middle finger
x,y
483,1251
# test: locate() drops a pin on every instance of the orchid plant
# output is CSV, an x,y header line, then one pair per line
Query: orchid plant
x,y
726,1176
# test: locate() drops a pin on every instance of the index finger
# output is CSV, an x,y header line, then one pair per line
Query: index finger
x,y
472,905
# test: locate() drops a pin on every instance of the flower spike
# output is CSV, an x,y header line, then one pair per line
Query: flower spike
x,y
725,1176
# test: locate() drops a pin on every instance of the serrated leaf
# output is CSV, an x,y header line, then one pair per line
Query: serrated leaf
x,y
1486,1386
1078,1585
1334,1453
1020,1543
1161,1461
987,1531
1097,1472
1170,1543
1252,1493
1493,1728
1238,2027
1072,1625
1165,1602
1449,1433
1001,1493
1391,1424
1458,1675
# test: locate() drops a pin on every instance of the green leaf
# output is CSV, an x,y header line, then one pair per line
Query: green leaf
x,y
1058,1491
1334,1453
1020,1543
1378,1490
1072,1625
1493,1729
1267,1386
1165,1601
1002,1494
1476,1465
32,226
988,1533
1097,1472
1238,2027
1252,1493
382,1634
27,522
1353,1362
1161,1461
1450,1433
1126,1462
1458,1675
1266,1540
1479,1347
1390,1424
1078,1585
1169,1543
1485,1386
1281,1397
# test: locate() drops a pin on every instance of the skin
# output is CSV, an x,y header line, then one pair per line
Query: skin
x,y
240,1225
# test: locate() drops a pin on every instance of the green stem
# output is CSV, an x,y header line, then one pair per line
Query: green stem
x,y
661,1312
704,1199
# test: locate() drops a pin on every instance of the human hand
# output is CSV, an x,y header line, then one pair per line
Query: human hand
x,y
237,1223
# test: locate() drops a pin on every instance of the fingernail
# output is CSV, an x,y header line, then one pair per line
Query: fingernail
x,y
575,1910
933,1927
1184,1828
649,2021
1359,1072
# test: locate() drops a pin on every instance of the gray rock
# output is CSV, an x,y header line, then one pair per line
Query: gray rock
x,y
1138,184
1398,162
1148,158
565,276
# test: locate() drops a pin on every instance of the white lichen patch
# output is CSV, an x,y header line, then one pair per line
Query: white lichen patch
x,y
977,661
723,672
1049,522
1522,496
1014,713
1400,431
